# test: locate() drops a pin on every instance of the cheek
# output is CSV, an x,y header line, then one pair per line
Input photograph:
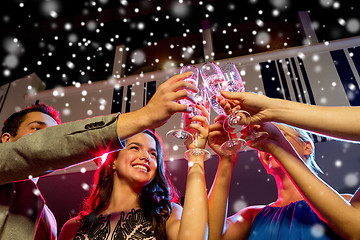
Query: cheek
x,y
124,159
154,163
128,155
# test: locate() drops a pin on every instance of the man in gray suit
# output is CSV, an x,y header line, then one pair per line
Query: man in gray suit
x,y
27,153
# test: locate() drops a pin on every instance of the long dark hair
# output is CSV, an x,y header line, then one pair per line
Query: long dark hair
x,y
155,199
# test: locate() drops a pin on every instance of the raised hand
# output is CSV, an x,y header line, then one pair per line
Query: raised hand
x,y
267,142
201,125
163,103
217,136
257,105
159,109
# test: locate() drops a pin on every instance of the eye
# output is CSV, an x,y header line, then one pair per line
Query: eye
x,y
154,154
134,147
36,126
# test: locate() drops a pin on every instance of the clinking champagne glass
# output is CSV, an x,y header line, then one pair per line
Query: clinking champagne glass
x,y
214,81
201,99
239,119
180,136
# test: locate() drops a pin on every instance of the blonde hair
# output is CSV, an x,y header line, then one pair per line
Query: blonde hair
x,y
304,136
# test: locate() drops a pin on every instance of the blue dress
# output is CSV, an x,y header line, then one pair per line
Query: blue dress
x,y
296,221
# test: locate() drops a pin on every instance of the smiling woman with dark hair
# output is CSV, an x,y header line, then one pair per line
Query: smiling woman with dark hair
x,y
134,199
155,197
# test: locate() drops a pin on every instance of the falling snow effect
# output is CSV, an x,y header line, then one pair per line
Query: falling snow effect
x,y
81,45
43,37
138,57
351,179
353,25
280,4
50,8
317,231
85,186
239,205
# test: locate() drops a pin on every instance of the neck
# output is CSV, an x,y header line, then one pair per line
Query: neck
x,y
123,197
287,192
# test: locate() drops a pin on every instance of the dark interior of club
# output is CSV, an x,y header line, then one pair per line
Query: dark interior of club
x,y
96,57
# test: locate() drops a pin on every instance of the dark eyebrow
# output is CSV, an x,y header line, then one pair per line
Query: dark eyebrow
x,y
38,122
141,145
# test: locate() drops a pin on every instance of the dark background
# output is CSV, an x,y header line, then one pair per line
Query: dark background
x,y
66,42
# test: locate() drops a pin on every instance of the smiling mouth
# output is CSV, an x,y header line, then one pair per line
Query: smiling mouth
x,y
141,167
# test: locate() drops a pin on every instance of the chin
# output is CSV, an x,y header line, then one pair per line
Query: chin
x,y
143,180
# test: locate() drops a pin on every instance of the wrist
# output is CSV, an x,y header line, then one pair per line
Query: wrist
x,y
194,164
272,110
279,109
228,161
196,155
143,118
225,170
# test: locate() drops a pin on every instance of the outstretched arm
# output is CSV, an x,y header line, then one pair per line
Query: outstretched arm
x,y
340,215
57,147
192,222
338,122
71,143
218,196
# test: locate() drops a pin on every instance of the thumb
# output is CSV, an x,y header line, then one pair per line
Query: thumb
x,y
233,95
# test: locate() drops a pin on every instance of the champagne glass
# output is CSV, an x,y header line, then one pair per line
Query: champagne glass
x,y
239,119
201,99
215,80
180,136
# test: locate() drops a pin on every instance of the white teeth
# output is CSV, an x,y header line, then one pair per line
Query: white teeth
x,y
140,167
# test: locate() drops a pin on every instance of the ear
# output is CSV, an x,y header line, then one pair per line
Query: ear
x,y
6,137
308,149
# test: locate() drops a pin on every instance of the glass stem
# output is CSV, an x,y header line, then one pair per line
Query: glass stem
x,y
182,123
230,139
196,139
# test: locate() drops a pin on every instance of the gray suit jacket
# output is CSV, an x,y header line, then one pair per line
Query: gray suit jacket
x,y
37,154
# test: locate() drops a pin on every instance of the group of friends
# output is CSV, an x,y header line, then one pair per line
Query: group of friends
x,y
133,198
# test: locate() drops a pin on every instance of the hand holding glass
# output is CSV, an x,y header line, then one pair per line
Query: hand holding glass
x,y
215,80
180,135
203,109
238,119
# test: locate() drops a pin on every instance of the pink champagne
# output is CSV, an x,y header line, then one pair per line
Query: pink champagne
x,y
193,82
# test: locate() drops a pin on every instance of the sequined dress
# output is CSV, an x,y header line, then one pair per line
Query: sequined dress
x,y
116,226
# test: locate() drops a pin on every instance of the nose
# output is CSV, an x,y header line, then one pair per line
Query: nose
x,y
145,155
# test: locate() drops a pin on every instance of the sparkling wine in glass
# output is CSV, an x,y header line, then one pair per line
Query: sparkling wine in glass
x,y
239,119
202,100
214,81
180,136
